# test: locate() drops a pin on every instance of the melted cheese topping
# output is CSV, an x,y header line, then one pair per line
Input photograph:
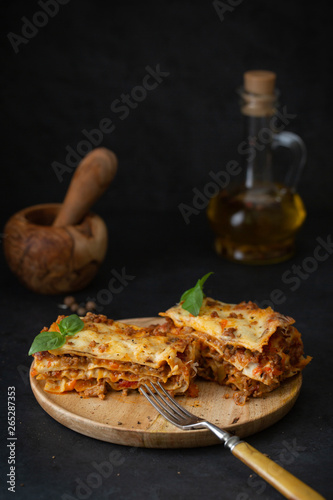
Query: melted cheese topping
x,y
121,342
241,325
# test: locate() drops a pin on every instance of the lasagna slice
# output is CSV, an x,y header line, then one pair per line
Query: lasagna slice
x,y
107,355
251,350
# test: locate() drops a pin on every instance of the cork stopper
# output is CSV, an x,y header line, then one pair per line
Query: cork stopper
x,y
259,82
258,93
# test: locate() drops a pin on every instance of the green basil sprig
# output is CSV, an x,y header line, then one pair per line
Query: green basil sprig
x,y
192,298
46,341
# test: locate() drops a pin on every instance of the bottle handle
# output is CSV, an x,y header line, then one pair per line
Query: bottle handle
x,y
297,147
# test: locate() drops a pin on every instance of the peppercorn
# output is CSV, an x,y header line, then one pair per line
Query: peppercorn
x,y
68,301
90,305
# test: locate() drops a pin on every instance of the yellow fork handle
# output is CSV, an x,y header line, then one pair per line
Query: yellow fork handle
x,y
277,476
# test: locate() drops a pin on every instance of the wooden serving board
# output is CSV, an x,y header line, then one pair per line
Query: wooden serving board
x,y
130,420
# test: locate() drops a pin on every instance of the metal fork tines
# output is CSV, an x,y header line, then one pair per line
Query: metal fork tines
x,y
168,407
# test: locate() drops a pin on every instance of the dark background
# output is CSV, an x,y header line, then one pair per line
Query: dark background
x,y
63,81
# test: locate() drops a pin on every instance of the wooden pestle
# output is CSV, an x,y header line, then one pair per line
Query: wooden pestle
x,y
91,178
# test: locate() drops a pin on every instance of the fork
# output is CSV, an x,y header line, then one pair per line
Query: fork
x,y
277,476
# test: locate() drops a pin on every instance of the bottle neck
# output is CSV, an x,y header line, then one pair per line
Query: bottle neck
x,y
257,158
257,111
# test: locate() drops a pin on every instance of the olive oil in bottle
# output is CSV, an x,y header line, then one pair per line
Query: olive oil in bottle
x,y
256,219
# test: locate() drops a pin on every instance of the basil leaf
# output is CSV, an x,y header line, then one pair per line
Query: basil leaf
x,y
204,279
71,325
186,294
46,341
192,298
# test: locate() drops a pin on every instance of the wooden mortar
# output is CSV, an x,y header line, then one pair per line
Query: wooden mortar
x,y
57,248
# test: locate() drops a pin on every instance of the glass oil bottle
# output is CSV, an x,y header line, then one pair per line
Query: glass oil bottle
x,y
256,218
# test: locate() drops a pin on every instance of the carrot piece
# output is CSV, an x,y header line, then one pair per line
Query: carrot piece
x,y
70,385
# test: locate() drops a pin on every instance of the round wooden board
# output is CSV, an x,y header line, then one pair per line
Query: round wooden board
x,y
130,420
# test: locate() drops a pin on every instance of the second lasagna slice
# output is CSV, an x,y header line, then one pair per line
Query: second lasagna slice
x,y
252,350
107,354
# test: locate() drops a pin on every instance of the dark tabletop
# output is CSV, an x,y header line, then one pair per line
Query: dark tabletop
x,y
63,80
